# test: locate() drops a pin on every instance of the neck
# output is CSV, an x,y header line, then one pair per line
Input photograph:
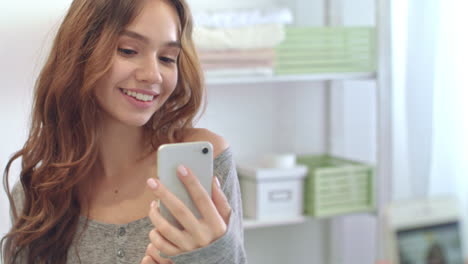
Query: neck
x,y
124,163
122,150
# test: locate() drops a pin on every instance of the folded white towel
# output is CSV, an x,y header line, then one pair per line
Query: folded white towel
x,y
252,37
242,18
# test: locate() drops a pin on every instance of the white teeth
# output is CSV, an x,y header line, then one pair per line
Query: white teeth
x,y
139,96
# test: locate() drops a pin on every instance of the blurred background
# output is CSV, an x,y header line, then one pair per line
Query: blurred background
x,y
334,109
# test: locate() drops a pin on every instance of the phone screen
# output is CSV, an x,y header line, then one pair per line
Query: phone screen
x,y
435,244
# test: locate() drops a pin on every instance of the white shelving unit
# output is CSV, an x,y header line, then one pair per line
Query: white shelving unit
x,y
253,224
293,78
333,237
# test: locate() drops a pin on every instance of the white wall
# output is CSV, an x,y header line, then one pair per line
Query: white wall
x,y
25,31
262,118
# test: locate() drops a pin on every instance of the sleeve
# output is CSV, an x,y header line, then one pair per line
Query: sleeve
x,y
228,249
18,198
17,194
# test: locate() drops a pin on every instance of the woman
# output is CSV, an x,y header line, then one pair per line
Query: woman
x,y
122,79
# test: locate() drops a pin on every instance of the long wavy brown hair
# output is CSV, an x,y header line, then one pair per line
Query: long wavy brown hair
x,y
62,144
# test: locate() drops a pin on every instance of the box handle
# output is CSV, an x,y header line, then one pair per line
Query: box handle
x,y
279,196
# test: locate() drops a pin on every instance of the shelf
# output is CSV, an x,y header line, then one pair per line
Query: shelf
x,y
253,224
292,78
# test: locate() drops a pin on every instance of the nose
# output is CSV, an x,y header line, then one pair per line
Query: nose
x,y
149,72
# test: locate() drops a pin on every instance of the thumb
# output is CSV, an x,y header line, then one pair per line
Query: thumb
x,y
220,201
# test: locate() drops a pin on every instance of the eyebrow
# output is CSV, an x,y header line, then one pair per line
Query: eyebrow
x,y
133,34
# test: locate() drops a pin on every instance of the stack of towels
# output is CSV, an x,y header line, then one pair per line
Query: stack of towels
x,y
309,50
240,43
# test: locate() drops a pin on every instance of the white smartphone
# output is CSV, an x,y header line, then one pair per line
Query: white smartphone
x,y
425,231
198,157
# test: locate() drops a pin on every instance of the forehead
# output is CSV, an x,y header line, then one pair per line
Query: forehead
x,y
158,21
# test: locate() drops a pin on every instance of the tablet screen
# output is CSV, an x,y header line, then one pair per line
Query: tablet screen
x,y
436,244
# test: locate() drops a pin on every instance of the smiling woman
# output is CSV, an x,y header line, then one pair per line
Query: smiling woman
x,y
144,71
122,79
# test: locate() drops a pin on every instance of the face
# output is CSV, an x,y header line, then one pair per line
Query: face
x,y
144,69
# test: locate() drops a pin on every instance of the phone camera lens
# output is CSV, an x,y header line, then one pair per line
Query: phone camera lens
x,y
205,150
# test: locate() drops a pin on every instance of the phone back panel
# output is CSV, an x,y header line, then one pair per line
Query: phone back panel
x,y
198,157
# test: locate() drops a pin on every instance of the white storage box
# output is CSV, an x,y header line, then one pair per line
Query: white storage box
x,y
272,193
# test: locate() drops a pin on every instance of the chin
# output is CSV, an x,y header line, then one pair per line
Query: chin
x,y
135,122
140,123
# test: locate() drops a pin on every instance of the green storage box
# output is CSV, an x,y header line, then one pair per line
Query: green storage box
x,y
308,50
336,186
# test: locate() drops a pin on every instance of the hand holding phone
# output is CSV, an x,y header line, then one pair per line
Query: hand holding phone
x,y
193,210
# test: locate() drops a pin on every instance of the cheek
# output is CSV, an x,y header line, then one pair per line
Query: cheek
x,y
101,90
170,82
119,71
109,83
174,78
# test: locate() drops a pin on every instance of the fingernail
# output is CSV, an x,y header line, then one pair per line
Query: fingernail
x,y
217,182
152,183
153,204
182,170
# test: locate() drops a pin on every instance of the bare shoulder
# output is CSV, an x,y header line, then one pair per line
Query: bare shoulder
x,y
203,134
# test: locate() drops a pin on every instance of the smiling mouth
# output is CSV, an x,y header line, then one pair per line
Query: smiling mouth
x,y
138,96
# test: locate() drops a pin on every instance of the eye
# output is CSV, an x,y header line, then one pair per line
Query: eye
x,y
167,59
127,52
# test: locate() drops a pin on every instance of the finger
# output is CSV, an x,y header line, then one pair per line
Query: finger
x,y
174,205
154,254
162,245
220,201
148,260
199,196
167,230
